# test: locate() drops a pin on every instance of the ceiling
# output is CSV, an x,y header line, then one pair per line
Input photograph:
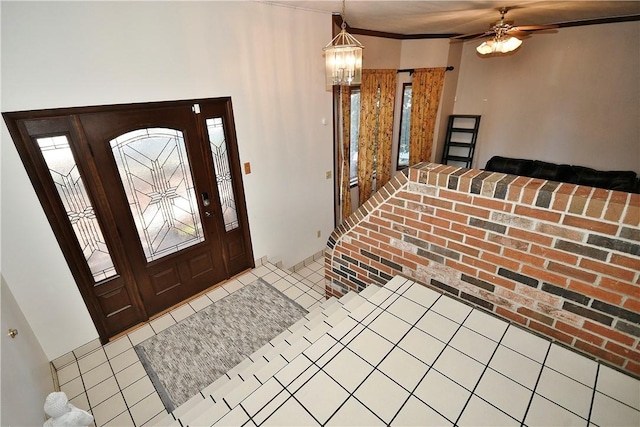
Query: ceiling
x,y
461,17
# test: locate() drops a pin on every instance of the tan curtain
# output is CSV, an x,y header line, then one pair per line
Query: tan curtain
x,y
426,88
387,79
345,184
376,129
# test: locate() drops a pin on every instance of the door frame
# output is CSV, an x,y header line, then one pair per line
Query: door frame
x,y
68,121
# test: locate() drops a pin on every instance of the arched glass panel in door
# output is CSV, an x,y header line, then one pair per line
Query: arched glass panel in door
x,y
154,169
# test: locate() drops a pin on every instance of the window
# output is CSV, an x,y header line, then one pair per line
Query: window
x,y
355,133
405,124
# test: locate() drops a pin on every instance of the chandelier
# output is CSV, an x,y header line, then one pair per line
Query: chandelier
x,y
343,57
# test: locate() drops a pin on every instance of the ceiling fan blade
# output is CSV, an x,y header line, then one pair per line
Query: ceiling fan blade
x,y
533,27
472,36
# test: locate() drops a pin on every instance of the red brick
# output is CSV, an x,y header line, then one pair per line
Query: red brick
x,y
540,214
419,225
632,304
455,217
529,236
473,211
387,232
462,248
491,268
482,244
599,353
448,234
493,204
500,261
404,230
595,292
432,237
391,249
511,315
433,220
508,242
579,333
621,287
572,272
409,196
524,257
496,280
460,267
561,256
615,207
590,224
415,258
530,191
562,195
597,202
535,315
608,333
455,195
544,275
471,231
440,203
405,262
625,352
632,217
633,367
406,213
464,181
516,187
625,261
369,241
579,199
607,269
379,221
393,218
550,332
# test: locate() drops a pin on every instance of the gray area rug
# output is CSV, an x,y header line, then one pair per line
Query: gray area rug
x,y
190,355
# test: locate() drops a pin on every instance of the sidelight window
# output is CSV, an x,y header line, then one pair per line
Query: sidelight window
x,y
73,194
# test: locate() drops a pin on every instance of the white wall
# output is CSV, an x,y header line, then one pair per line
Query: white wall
x,y
26,376
569,97
267,58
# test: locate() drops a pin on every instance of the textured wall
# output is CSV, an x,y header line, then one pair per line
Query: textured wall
x,y
560,259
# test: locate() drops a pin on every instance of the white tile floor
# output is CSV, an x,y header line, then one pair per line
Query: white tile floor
x,y
110,382
407,356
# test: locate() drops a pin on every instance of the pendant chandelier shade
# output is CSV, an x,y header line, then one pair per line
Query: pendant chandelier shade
x,y
343,58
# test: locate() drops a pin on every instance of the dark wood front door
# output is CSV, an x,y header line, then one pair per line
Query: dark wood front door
x,y
146,201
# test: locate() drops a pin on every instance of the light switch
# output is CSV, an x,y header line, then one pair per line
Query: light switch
x,y
247,168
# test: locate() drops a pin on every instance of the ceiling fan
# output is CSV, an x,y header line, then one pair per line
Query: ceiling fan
x,y
505,37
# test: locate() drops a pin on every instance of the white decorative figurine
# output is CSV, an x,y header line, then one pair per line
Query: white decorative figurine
x,y
63,413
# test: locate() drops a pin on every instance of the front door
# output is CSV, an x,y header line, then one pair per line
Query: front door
x,y
162,213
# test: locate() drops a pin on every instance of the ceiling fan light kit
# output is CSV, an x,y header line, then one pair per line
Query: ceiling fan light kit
x,y
503,32
343,58
496,45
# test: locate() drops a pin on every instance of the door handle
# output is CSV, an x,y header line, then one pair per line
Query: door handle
x,y
12,333
205,199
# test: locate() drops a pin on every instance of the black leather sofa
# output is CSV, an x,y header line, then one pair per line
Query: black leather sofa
x,y
611,180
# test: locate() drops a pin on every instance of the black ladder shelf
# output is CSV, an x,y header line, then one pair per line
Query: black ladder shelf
x,y
460,142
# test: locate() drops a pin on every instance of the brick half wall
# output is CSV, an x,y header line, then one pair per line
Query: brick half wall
x,y
559,259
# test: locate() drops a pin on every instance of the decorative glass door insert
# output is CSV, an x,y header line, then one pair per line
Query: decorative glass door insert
x,y
73,194
156,175
220,158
